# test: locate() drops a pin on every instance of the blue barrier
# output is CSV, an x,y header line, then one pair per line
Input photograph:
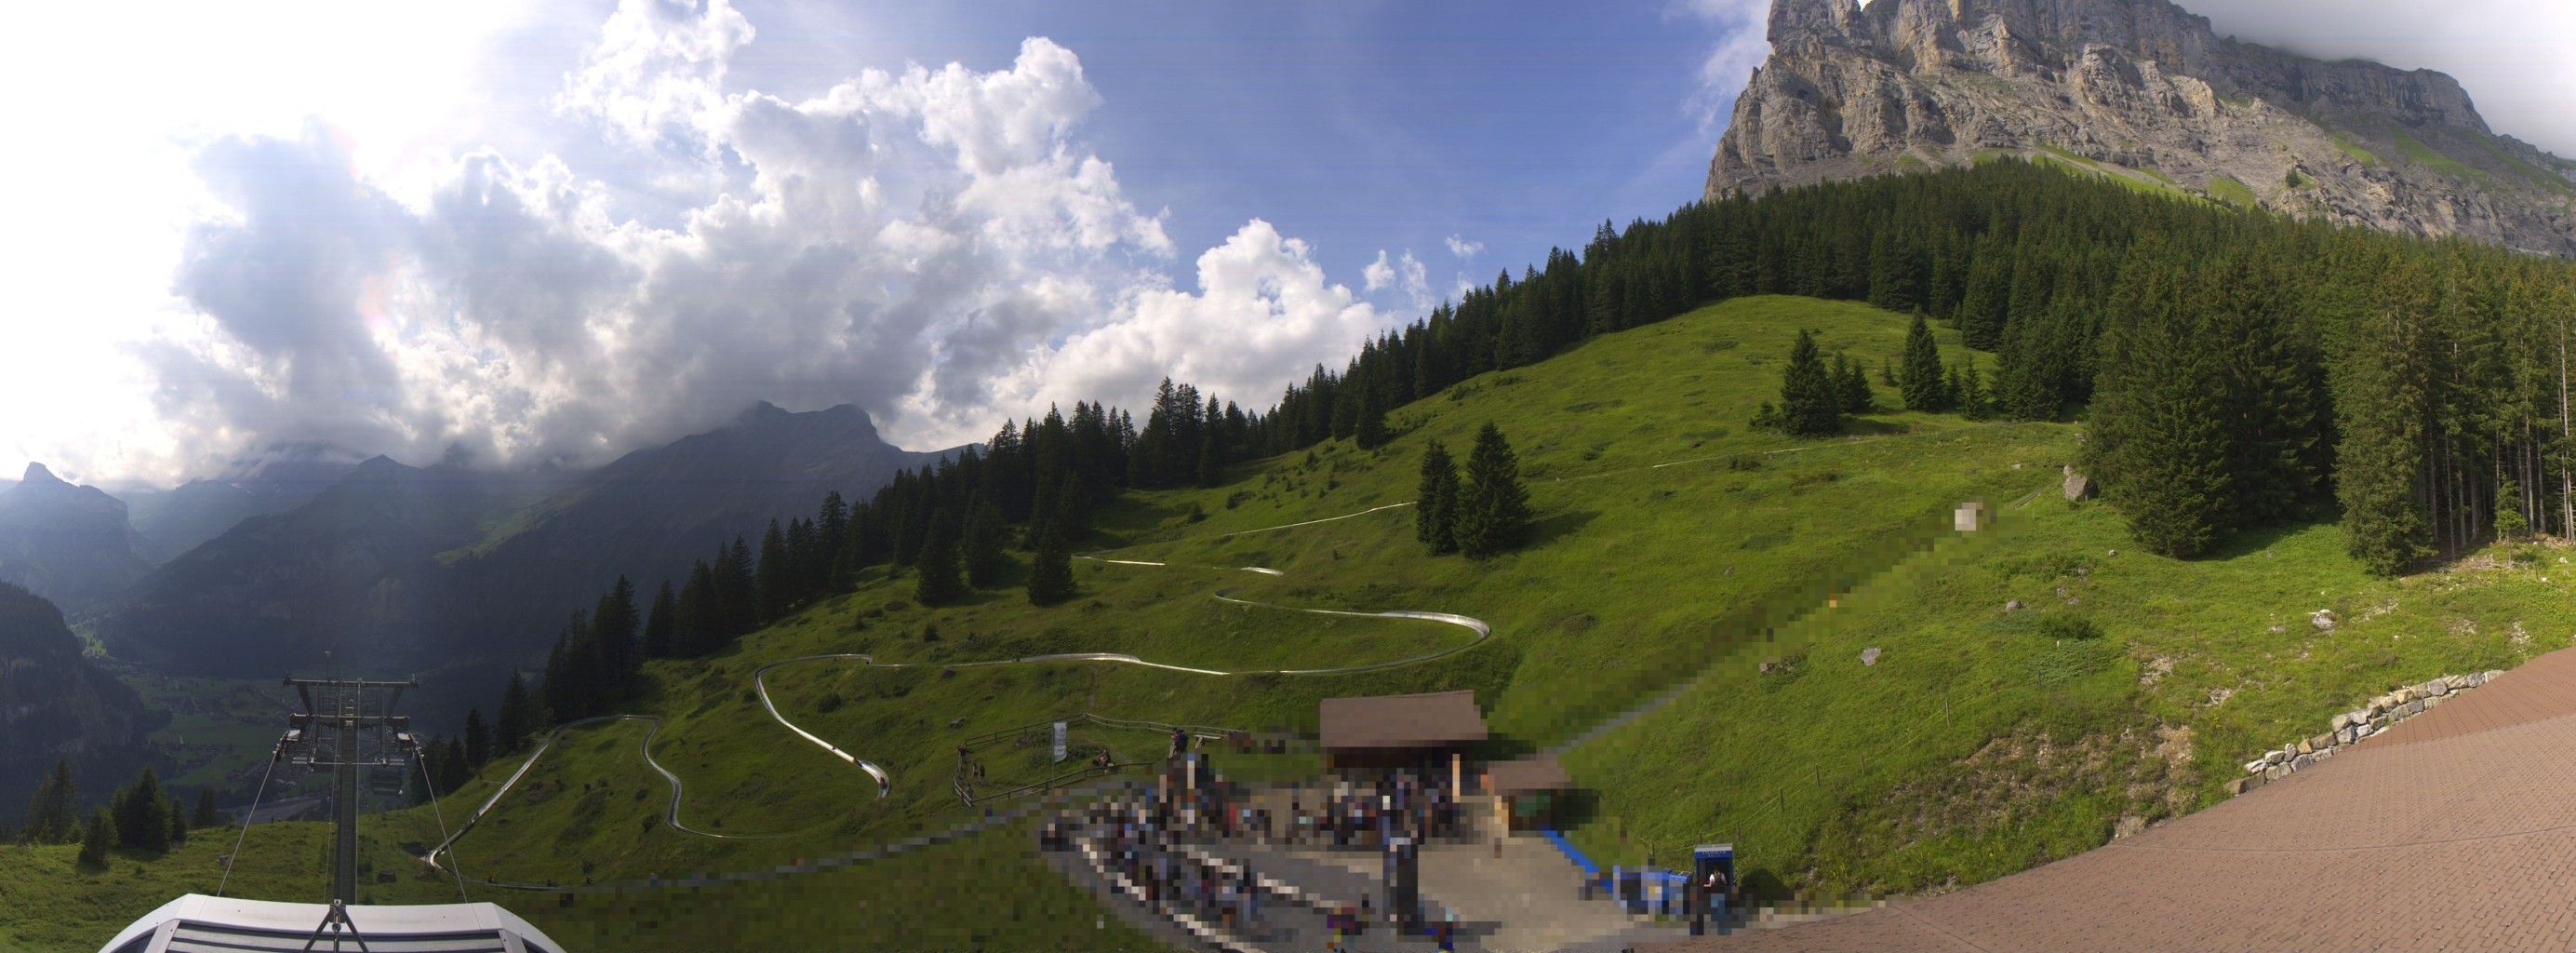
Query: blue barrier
x,y
1575,854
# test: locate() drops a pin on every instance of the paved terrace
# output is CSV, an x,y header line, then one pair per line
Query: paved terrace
x,y
2456,829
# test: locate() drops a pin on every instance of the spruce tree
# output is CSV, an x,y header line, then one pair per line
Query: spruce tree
x,y
1851,387
661,624
178,815
206,815
773,582
939,582
2510,525
53,815
2158,443
1370,430
1435,508
1809,403
984,540
2379,410
517,717
478,739
97,839
1051,569
142,814
1493,508
1923,381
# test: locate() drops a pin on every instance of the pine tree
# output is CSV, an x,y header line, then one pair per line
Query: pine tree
x,y
1923,381
478,739
984,539
1809,404
178,815
2158,443
97,839
1370,430
1051,570
53,815
2379,410
1851,387
832,542
661,624
142,814
773,583
613,628
939,582
1493,508
2510,525
517,717
1435,508
206,815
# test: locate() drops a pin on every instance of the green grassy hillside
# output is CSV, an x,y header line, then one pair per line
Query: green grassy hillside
x,y
1674,547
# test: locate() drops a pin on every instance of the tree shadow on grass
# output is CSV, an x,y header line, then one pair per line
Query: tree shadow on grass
x,y
1560,525
2253,541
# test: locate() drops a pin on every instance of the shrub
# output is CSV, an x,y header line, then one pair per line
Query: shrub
x,y
2071,628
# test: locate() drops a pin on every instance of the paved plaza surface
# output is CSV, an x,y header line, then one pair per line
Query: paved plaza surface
x,y
2453,830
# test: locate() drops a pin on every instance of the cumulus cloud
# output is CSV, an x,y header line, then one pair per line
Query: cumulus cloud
x,y
1462,247
1260,296
1406,275
934,245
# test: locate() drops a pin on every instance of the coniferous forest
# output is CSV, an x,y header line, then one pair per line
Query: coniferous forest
x,y
2233,369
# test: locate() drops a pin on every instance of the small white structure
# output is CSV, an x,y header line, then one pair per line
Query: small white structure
x,y
1969,517
200,922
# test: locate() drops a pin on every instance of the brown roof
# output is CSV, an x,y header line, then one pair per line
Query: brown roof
x,y
1436,720
1537,773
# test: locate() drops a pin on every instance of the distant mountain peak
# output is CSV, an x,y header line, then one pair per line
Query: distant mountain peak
x,y
37,475
765,413
761,411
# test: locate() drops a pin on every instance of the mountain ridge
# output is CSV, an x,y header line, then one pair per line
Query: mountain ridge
x,y
2143,90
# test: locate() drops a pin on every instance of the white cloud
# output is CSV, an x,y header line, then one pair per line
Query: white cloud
x,y
1406,275
1743,42
1379,274
1463,248
934,245
1263,314
657,74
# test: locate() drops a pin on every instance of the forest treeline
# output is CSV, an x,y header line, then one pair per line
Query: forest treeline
x,y
2235,368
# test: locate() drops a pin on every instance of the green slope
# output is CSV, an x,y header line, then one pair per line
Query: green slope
x,y
1675,547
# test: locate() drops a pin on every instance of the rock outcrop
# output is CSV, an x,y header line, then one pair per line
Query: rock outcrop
x,y
2142,90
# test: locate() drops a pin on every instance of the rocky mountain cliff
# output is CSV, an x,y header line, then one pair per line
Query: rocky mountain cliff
x,y
55,705
456,575
351,571
70,544
650,513
2140,90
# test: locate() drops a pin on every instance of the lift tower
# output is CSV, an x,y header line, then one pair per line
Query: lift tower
x,y
347,725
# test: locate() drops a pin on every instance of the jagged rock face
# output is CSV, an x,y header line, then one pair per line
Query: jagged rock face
x,y
55,705
2139,89
70,544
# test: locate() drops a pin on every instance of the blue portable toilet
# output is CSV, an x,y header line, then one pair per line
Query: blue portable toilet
x,y
1711,904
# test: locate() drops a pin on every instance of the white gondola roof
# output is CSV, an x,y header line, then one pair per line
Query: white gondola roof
x,y
197,922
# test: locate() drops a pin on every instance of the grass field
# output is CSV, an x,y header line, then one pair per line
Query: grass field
x,y
1981,742
1673,546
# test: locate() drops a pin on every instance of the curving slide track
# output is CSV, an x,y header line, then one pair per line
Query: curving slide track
x,y
884,780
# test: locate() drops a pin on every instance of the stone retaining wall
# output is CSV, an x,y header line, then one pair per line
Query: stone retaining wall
x,y
2349,727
